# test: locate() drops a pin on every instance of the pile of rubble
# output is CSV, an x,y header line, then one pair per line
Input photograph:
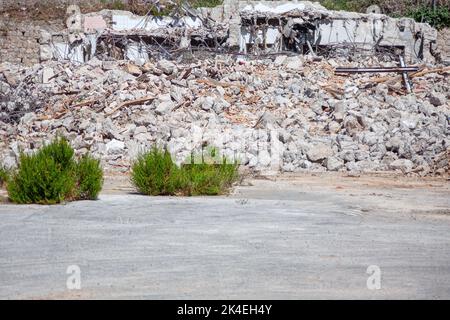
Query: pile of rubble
x,y
288,113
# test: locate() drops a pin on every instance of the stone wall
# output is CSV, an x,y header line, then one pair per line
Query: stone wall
x,y
20,40
19,43
21,22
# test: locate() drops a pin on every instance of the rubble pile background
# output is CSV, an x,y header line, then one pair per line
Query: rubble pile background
x,y
114,109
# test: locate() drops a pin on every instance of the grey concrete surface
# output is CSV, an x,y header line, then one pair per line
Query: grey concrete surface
x,y
272,239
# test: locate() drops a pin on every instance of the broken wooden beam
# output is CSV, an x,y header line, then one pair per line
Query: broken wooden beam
x,y
130,103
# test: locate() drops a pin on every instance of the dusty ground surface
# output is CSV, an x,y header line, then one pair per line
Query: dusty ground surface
x,y
278,237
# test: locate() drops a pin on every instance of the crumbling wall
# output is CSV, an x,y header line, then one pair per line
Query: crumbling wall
x,y
22,22
20,40
19,43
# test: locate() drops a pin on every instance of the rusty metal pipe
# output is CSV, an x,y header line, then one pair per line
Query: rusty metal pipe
x,y
376,69
405,75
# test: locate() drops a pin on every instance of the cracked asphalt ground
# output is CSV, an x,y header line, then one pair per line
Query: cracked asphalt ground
x,y
290,237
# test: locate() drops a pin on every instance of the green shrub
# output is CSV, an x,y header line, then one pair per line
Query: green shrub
x,y
208,173
40,179
61,152
4,175
208,179
89,176
154,173
52,175
439,18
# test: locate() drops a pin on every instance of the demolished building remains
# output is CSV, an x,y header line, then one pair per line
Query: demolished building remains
x,y
240,27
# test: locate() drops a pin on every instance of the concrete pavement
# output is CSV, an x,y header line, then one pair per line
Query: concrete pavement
x,y
274,239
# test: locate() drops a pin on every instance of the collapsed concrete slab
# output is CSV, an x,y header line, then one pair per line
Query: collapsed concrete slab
x,y
245,27
121,34
305,27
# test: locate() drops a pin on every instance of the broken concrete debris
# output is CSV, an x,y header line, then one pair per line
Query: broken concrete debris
x,y
268,114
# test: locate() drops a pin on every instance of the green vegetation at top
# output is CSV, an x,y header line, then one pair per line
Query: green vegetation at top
x,y
205,3
420,10
438,18
346,5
